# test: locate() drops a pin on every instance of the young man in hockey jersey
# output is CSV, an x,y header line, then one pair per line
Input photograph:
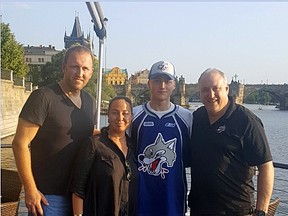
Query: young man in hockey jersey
x,y
162,131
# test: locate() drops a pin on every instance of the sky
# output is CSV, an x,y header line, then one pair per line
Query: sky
x,y
246,39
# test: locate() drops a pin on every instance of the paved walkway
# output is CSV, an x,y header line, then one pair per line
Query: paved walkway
x,y
7,161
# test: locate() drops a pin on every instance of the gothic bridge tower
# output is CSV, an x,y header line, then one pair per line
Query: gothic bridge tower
x,y
77,36
179,95
236,90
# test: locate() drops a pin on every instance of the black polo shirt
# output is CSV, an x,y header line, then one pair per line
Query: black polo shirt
x,y
223,156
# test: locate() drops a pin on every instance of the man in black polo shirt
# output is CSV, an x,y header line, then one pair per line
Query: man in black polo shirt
x,y
228,140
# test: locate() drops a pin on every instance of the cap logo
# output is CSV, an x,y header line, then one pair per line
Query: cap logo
x,y
163,66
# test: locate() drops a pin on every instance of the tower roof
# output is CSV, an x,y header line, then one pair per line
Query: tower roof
x,y
76,32
77,36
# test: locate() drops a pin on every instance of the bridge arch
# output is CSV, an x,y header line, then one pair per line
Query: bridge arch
x,y
276,97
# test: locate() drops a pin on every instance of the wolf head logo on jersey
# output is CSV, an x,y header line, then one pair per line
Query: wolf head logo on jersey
x,y
156,155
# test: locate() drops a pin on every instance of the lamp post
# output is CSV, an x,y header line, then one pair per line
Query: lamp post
x,y
100,30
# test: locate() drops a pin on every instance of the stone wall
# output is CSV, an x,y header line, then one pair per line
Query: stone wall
x,y
12,100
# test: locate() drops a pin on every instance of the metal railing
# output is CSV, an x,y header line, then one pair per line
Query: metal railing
x,y
280,186
17,81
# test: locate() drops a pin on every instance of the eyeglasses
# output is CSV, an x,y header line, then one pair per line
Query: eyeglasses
x,y
128,170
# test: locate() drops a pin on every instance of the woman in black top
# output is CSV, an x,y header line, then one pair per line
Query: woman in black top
x,y
105,176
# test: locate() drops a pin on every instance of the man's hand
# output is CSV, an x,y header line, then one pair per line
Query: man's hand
x,y
33,203
96,131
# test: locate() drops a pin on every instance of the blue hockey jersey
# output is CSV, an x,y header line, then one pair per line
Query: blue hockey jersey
x,y
162,146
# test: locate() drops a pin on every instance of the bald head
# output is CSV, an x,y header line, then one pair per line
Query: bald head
x,y
213,70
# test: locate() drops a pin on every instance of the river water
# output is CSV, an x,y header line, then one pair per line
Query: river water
x,y
276,127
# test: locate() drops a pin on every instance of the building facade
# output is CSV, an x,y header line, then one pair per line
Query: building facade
x,y
140,77
39,55
116,76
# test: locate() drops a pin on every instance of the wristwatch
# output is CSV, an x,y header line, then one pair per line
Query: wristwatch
x,y
260,213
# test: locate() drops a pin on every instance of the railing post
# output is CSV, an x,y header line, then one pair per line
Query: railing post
x,y
11,76
23,82
256,171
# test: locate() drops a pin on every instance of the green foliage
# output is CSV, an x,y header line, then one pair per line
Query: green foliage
x,y
107,92
51,72
264,97
91,86
12,52
35,74
142,98
258,97
251,99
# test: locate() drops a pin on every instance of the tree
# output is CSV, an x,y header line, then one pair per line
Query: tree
x,y
252,98
51,72
34,74
264,97
12,52
91,86
107,92
258,97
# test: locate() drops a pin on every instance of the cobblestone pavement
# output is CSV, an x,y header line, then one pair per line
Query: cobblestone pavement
x,y
7,162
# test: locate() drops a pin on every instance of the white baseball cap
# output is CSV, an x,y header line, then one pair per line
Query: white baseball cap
x,y
162,67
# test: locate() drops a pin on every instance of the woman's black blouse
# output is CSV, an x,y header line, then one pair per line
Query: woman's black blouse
x,y
101,178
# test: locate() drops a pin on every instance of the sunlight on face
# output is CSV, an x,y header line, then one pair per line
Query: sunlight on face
x,y
161,87
119,115
213,92
78,70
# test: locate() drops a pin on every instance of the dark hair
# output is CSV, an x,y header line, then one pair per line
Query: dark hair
x,y
78,49
121,98
126,99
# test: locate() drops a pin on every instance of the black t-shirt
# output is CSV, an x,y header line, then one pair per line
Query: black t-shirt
x,y
223,156
63,127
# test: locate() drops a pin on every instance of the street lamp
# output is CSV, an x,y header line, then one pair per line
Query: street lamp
x,y
100,30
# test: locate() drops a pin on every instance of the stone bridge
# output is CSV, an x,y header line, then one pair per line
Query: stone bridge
x,y
185,93
277,92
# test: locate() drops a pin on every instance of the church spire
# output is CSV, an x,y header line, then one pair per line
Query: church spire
x,y
77,36
76,31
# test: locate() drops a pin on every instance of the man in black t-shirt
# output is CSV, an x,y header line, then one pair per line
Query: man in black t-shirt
x,y
228,140
54,122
